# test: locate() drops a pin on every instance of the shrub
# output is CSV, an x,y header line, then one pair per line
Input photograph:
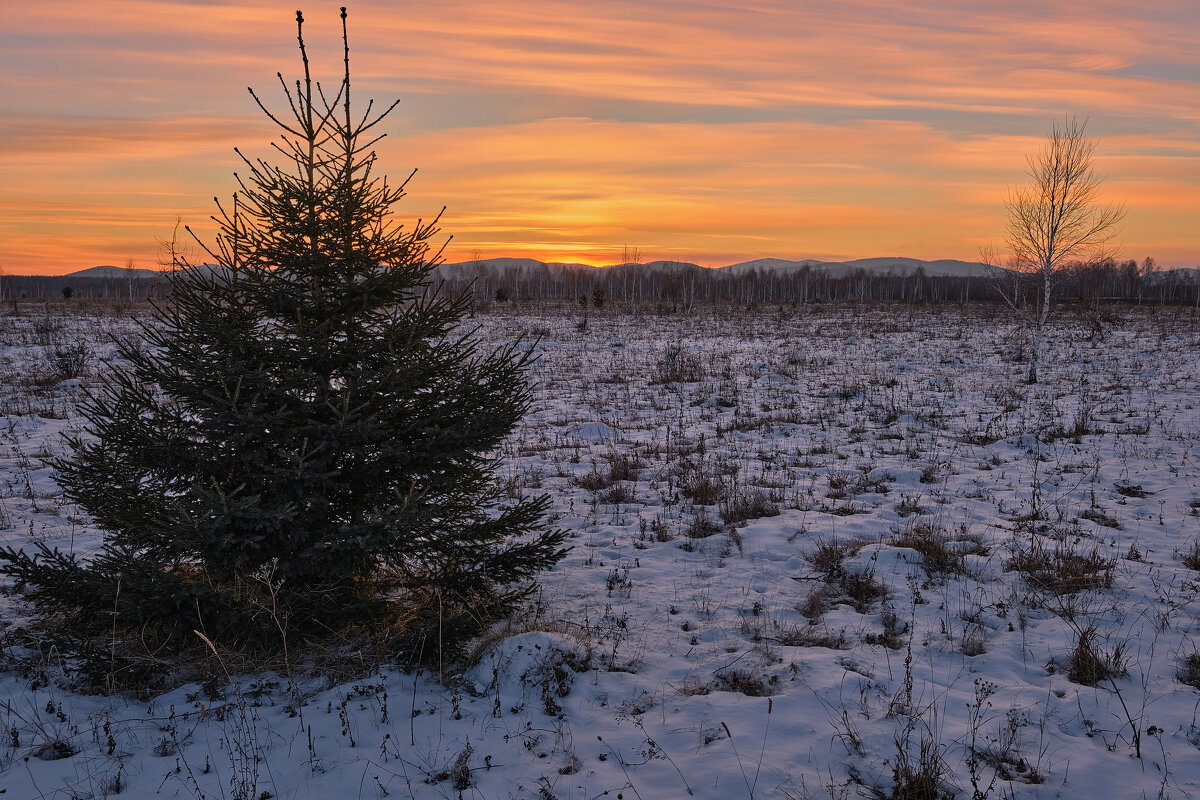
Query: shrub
x,y
618,493
621,467
70,360
594,481
624,467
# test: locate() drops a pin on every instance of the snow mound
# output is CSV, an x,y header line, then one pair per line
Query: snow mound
x,y
528,661
596,432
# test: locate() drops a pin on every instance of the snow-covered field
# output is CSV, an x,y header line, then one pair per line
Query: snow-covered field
x,y
839,552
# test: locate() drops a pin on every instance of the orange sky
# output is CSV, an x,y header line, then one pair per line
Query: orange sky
x,y
706,132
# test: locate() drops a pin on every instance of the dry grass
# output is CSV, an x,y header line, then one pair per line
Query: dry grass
x,y
812,636
1191,556
1090,664
1063,570
622,467
939,555
743,681
678,364
860,589
743,507
815,604
919,778
702,527
826,558
1189,670
704,490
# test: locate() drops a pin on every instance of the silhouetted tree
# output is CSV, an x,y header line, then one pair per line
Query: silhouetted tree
x,y
304,443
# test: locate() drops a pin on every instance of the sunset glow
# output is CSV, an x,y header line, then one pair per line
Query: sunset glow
x,y
566,131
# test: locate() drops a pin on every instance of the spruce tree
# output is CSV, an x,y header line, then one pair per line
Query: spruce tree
x,y
303,441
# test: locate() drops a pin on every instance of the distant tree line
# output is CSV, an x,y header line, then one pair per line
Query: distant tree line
x,y
48,287
682,286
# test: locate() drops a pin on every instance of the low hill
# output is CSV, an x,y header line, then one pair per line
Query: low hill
x,y
107,272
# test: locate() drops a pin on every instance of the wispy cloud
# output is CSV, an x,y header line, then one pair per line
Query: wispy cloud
x,y
567,129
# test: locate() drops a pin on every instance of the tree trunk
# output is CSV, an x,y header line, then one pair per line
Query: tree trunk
x,y
1039,324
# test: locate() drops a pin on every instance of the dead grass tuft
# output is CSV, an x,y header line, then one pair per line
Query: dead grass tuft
x,y
1191,557
861,589
826,558
704,490
743,507
702,527
919,778
815,604
1090,664
1189,670
742,681
940,555
1064,570
812,635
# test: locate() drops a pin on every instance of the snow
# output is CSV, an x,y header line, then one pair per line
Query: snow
x,y
665,659
596,432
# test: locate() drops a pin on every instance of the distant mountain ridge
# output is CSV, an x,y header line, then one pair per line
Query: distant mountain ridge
x,y
885,265
110,272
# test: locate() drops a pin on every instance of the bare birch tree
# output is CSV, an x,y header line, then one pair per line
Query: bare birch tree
x,y
130,272
478,273
171,252
1057,218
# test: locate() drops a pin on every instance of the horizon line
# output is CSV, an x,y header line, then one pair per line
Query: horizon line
x,y
1158,266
